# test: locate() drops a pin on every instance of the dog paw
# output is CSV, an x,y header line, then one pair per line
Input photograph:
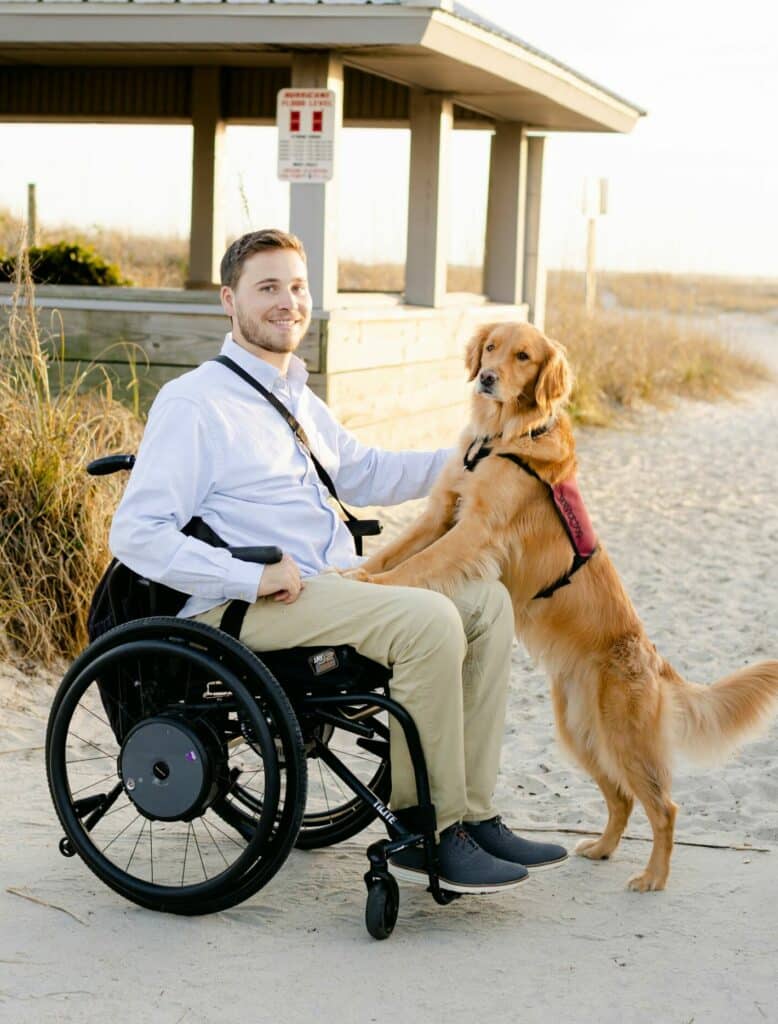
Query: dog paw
x,y
592,848
357,574
646,881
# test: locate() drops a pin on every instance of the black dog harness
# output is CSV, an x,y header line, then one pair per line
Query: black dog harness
x,y
567,501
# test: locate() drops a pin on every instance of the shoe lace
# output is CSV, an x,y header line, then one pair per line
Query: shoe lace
x,y
499,825
464,838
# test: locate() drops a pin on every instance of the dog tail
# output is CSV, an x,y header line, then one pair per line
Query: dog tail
x,y
710,722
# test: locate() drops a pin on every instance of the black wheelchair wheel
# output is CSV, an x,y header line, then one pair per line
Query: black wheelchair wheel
x,y
332,813
383,905
176,766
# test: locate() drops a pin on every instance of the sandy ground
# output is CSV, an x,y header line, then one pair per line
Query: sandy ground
x,y
686,502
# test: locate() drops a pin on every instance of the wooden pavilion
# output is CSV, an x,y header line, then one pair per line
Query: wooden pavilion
x,y
427,65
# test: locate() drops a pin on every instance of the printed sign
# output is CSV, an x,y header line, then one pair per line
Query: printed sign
x,y
306,134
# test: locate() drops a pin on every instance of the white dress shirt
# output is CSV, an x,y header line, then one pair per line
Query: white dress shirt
x,y
215,448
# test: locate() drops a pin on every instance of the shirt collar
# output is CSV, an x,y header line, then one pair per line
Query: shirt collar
x,y
263,371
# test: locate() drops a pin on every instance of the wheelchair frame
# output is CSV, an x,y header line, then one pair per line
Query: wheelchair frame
x,y
285,715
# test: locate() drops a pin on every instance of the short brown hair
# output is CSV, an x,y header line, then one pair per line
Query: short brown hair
x,y
248,244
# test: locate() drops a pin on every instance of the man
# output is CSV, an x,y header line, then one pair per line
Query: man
x,y
215,448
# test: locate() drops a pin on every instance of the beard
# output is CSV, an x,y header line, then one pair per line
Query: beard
x,y
263,336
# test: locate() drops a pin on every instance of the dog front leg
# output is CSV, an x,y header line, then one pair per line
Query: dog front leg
x,y
415,538
461,554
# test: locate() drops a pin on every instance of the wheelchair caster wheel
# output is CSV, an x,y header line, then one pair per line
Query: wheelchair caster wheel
x,y
383,905
66,848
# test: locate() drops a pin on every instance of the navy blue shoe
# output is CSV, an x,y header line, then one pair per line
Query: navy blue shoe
x,y
463,865
496,838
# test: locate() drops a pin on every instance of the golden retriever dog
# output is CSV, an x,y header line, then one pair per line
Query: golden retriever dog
x,y
507,503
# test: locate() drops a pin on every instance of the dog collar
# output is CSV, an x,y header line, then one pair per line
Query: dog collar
x,y
540,431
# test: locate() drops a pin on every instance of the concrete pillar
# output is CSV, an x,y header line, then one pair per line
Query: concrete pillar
x,y
426,260
313,211
505,215
207,229
534,268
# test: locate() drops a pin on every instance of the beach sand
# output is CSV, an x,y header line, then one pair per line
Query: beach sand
x,y
686,501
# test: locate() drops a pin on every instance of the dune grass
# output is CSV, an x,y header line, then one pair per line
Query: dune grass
x,y
624,359
54,519
691,293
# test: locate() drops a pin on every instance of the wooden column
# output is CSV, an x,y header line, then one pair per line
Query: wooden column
x,y
207,230
534,269
506,215
313,212
426,260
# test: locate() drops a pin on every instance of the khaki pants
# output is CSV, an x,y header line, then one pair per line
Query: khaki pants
x,y
450,661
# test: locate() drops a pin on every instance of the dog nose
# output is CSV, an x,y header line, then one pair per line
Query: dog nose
x,y
488,378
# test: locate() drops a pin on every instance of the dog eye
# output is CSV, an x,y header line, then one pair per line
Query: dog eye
x,y
490,347
522,356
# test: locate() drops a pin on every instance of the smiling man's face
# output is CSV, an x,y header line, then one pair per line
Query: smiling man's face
x,y
270,305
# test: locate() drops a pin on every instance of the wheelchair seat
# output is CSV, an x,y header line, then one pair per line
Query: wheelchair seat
x,y
338,669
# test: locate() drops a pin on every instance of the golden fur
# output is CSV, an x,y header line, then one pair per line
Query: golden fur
x,y
620,707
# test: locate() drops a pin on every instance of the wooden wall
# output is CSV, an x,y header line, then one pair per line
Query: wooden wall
x,y
393,374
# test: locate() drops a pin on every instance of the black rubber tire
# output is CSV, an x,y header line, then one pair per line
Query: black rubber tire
x,y
268,711
382,907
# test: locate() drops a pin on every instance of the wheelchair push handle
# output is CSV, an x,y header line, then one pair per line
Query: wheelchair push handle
x,y
110,464
263,555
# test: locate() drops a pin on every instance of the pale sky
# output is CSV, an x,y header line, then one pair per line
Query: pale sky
x,y
693,188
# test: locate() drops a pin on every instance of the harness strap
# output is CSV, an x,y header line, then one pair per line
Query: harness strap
x,y
359,528
232,619
579,559
471,461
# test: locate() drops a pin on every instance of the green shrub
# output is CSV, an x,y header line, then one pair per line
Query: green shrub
x,y
65,263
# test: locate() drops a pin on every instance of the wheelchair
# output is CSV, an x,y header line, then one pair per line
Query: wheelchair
x,y
184,767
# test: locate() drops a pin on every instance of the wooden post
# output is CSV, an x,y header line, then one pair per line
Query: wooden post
x,y
426,259
591,273
506,215
32,215
313,212
534,270
207,230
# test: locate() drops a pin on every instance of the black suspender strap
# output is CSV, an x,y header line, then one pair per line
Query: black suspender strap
x,y
359,527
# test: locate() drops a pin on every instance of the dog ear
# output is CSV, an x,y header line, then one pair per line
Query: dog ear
x,y
474,349
555,380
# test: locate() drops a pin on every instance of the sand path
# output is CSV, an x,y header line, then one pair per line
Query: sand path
x,y
687,503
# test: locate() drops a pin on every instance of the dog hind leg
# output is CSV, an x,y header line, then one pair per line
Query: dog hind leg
x,y
619,802
651,786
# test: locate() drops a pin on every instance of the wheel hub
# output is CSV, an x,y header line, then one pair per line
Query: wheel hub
x,y
167,769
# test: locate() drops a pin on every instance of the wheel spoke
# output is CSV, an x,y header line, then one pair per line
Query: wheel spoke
x,y
199,853
93,714
323,787
213,840
120,833
90,744
135,847
186,850
89,785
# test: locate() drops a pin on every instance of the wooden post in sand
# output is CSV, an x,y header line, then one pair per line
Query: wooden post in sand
x,y
32,215
595,204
